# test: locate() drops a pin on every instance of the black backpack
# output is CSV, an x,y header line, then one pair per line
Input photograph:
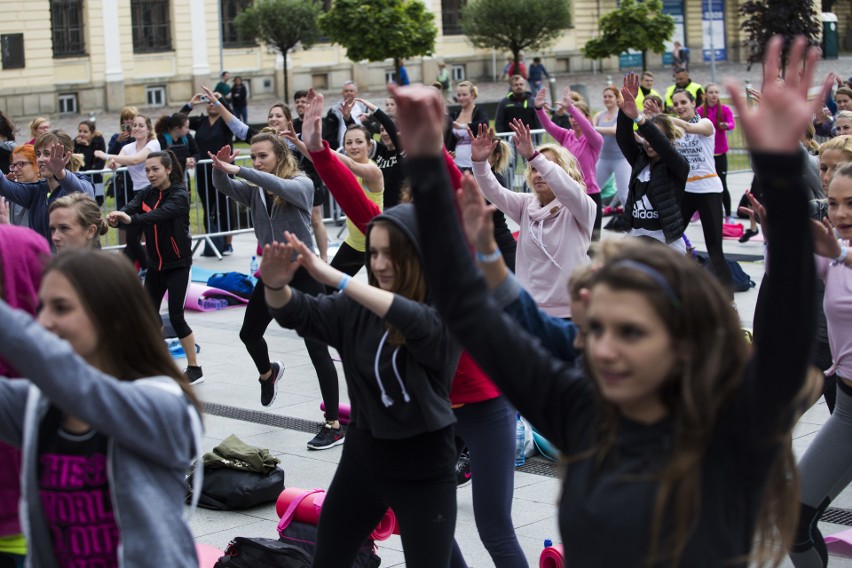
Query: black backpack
x,y
245,552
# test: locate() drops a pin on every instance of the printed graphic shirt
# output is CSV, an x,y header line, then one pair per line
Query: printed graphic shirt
x,y
74,488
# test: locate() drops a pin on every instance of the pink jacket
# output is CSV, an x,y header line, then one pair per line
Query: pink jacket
x,y
23,254
553,239
721,146
586,148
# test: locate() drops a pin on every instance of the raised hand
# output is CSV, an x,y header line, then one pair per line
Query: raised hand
x,y
825,243
370,106
211,96
279,264
540,98
346,108
477,217
482,143
312,122
567,101
223,160
784,111
420,114
650,107
522,138
320,271
629,90
56,163
5,218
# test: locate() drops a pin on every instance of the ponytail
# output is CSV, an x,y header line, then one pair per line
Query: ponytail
x,y
169,160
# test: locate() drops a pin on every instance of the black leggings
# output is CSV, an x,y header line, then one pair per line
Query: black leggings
x,y
709,208
596,233
347,260
133,248
722,171
176,282
257,319
360,493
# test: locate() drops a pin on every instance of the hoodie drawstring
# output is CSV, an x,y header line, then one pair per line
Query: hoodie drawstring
x,y
386,399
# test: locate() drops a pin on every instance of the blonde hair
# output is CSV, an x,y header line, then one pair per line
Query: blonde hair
x,y
844,114
562,158
584,108
37,121
473,90
502,155
128,113
839,143
87,211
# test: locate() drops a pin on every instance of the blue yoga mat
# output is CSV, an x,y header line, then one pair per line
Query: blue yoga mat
x,y
202,275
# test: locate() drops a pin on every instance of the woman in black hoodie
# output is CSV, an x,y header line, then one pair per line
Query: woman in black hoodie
x,y
162,210
398,360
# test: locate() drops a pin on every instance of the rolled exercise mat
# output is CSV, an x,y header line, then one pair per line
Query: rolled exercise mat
x,y
343,411
840,543
208,555
552,557
305,506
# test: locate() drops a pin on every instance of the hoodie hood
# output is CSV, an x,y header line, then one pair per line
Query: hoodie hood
x,y
23,255
402,217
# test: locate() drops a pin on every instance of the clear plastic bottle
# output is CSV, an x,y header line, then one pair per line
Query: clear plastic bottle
x,y
253,267
520,435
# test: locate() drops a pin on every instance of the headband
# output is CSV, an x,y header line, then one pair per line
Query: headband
x,y
654,275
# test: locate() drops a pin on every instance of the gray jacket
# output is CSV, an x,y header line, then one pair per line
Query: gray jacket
x,y
151,429
293,216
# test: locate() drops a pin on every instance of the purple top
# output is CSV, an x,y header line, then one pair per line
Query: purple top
x,y
585,148
721,146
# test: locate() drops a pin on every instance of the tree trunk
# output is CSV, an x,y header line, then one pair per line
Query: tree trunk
x,y
516,54
396,65
644,60
286,78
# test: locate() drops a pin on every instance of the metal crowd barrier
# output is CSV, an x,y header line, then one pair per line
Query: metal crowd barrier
x,y
212,213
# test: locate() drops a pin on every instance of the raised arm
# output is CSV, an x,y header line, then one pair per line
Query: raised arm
x,y
703,127
506,200
298,191
548,393
369,171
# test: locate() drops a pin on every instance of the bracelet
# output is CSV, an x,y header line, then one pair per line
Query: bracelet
x,y
344,282
217,103
490,257
638,118
839,259
268,287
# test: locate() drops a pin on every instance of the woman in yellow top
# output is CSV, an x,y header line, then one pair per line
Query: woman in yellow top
x,y
358,146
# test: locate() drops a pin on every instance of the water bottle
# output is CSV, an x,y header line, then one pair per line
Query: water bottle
x,y
213,303
253,268
520,435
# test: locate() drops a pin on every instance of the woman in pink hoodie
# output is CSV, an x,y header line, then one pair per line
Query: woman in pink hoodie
x,y
583,141
23,254
556,219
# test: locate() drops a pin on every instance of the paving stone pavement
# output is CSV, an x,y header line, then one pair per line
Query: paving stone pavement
x,y
231,380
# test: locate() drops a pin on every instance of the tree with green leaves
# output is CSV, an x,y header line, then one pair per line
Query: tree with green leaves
x,y
515,25
788,18
283,24
376,30
633,25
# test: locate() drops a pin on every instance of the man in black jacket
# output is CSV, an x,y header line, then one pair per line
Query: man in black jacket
x,y
519,103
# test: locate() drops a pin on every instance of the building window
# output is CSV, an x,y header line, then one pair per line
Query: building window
x,y
451,16
458,73
231,36
68,103
155,96
152,25
66,22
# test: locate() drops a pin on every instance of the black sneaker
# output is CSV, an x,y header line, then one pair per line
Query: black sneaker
x,y
269,386
327,437
194,375
747,234
463,475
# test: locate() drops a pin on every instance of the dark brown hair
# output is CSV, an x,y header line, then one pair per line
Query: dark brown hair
x,y
169,160
130,337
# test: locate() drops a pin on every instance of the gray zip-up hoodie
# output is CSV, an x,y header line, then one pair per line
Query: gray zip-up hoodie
x,y
293,216
149,425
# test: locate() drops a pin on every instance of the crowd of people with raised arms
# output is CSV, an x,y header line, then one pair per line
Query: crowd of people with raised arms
x,y
674,431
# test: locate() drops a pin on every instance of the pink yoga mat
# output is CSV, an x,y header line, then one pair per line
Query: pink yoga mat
x,y
208,555
198,292
840,543
552,557
309,508
342,412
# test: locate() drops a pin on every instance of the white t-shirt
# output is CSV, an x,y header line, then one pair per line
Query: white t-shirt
x,y
698,151
137,172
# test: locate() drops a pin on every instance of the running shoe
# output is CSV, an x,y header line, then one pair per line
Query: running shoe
x,y
748,234
327,437
269,386
229,250
463,474
194,375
